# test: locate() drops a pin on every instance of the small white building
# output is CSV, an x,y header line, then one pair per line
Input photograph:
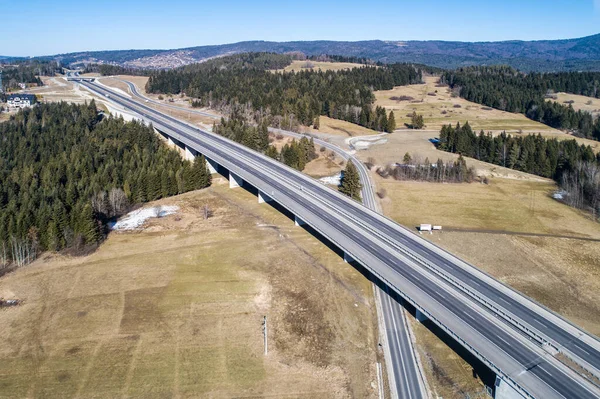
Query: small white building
x,y
20,100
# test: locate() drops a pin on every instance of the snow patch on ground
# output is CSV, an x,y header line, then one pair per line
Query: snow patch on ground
x,y
137,218
559,195
334,180
364,142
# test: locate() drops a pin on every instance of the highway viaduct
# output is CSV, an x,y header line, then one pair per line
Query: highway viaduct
x,y
522,362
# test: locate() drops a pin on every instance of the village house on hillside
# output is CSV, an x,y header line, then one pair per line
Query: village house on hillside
x,y
20,100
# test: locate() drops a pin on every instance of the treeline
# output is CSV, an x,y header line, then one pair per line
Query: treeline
x,y
28,72
531,153
11,77
575,167
64,173
507,89
341,58
294,97
438,172
111,70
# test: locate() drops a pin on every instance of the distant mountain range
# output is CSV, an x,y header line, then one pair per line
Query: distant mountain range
x,y
543,55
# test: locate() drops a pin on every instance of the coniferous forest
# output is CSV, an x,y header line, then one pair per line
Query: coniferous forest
x,y
300,96
509,90
574,167
65,171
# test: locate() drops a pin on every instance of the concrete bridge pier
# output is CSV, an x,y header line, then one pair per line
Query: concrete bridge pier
x,y
348,258
420,316
235,181
211,165
189,154
298,221
505,391
262,197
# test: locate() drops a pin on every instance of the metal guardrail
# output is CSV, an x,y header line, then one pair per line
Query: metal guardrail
x,y
242,172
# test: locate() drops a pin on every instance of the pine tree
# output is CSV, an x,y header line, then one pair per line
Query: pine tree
x,y
417,120
164,183
88,226
202,176
391,125
272,152
52,236
350,184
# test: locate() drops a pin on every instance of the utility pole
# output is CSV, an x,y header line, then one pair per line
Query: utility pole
x,y
265,333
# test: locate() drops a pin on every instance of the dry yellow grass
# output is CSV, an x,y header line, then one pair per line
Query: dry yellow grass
x,y
58,89
324,165
176,310
432,106
297,66
449,375
583,103
503,204
139,81
340,128
562,273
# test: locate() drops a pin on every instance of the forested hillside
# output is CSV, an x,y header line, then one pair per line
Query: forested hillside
x,y
287,98
506,89
27,71
575,167
109,70
577,54
64,172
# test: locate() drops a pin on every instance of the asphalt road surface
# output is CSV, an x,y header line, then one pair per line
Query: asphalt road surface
x,y
397,257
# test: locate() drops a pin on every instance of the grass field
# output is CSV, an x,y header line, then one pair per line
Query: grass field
x,y
562,273
583,103
440,108
341,128
176,309
297,66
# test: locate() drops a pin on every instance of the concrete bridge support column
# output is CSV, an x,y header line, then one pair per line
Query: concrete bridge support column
x,y
505,391
170,142
348,258
262,197
298,221
235,181
189,154
211,165
420,316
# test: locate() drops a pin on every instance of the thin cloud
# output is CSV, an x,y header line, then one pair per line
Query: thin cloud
x,y
597,5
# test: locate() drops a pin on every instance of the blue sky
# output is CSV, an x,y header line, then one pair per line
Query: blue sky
x,y
30,27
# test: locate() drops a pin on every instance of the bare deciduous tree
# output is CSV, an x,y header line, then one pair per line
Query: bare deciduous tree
x,y
100,203
156,211
118,201
23,251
